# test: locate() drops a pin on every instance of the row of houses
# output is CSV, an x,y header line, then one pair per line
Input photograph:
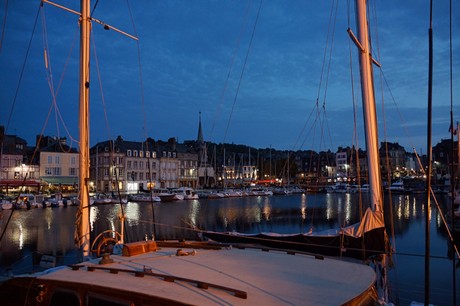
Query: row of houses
x,y
118,165
131,166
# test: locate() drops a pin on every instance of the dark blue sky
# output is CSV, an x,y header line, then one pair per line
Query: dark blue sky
x,y
191,56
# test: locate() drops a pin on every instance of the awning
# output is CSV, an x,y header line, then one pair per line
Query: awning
x,y
63,180
19,183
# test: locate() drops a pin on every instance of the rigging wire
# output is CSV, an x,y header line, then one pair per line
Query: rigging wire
x,y
230,68
147,143
22,70
321,117
94,8
382,97
392,246
141,79
429,157
319,113
4,25
243,70
454,276
54,91
104,104
324,121
99,78
355,107
14,103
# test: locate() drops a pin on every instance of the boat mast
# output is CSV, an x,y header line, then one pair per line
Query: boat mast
x,y
85,30
369,109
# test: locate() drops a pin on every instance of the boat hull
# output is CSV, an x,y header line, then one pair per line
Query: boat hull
x,y
340,244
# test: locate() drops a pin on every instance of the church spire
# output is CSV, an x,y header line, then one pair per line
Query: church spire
x,y
201,145
200,138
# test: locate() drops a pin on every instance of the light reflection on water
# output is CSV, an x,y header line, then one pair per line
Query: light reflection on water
x,y
51,231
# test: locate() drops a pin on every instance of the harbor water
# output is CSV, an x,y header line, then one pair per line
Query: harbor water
x,y
50,231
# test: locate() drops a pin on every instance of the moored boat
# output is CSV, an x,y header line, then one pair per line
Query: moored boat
x,y
397,187
214,194
259,191
162,273
143,198
186,192
7,204
165,195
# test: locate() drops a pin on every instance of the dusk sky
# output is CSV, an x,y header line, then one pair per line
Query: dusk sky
x,y
261,73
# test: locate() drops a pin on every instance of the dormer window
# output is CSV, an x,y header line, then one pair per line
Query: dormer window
x,y
135,153
141,153
129,153
147,154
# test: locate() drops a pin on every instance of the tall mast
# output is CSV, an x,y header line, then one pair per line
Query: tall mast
x,y
85,30
368,100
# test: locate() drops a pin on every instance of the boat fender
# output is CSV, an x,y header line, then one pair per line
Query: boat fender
x,y
181,252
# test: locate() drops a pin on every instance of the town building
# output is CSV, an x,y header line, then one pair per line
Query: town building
x,y
392,160
132,166
59,164
446,166
123,166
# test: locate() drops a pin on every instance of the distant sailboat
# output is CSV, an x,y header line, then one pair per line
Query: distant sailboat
x,y
201,273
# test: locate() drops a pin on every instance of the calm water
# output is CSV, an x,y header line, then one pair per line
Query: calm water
x,y
51,231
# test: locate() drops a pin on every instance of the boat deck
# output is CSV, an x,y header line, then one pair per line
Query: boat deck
x,y
228,276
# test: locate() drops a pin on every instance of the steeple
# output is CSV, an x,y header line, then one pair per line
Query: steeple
x,y
201,145
200,139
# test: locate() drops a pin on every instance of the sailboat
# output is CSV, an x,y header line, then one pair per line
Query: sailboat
x,y
368,237
153,272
